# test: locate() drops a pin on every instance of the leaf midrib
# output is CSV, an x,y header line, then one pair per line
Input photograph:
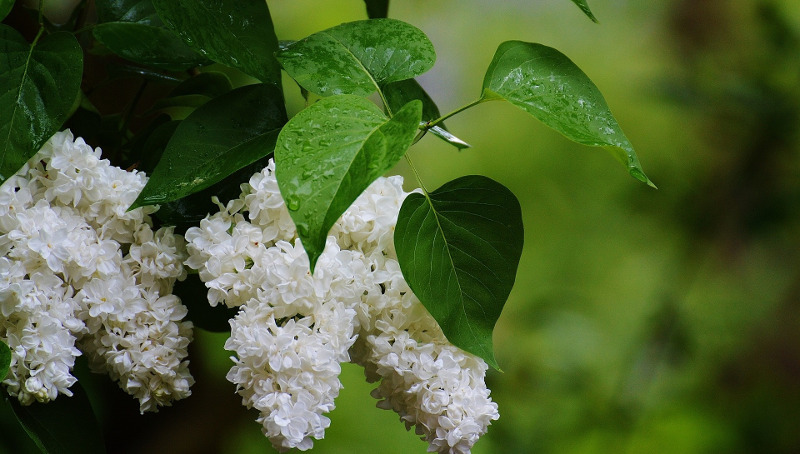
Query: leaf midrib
x,y
19,97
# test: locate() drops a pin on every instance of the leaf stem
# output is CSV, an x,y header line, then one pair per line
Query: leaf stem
x,y
416,174
385,102
435,122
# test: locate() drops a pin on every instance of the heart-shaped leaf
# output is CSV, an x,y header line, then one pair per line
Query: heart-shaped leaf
x,y
358,57
5,360
584,6
38,87
459,248
66,425
399,93
220,137
548,85
148,45
330,152
237,33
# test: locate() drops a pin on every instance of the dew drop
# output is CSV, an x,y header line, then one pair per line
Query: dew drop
x,y
292,204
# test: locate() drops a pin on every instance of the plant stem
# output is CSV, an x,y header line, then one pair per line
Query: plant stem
x,y
416,174
385,103
435,122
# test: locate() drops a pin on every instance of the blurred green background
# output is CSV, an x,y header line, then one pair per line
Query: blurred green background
x,y
642,320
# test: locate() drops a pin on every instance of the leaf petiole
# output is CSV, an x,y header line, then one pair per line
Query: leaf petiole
x,y
416,174
435,122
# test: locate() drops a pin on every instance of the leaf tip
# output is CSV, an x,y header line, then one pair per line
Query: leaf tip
x,y
639,175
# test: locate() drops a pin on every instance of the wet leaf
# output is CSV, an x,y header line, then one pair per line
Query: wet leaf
x,y
358,57
329,153
39,84
219,138
459,248
545,83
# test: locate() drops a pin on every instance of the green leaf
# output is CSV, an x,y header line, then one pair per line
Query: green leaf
x,y
459,248
211,84
585,8
548,85
399,93
377,9
5,8
222,136
5,360
139,11
358,57
237,33
330,152
66,425
38,87
148,45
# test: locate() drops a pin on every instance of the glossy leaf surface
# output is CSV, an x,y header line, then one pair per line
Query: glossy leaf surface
x,y
329,153
459,249
548,85
148,45
358,57
222,136
66,425
38,87
138,11
237,33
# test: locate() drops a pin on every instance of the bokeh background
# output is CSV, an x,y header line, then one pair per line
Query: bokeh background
x,y
642,320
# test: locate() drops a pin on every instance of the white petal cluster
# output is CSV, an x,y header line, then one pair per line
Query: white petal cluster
x,y
80,274
293,329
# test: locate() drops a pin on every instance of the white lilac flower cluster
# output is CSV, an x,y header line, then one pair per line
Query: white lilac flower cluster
x,y
293,329
79,274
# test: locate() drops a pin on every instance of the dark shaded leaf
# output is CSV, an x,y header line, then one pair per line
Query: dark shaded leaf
x,y
377,9
329,153
237,33
5,360
138,11
39,84
358,57
148,45
5,8
66,425
548,85
459,248
219,138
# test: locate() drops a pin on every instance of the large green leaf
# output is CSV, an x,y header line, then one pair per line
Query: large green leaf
x,y
330,152
5,8
377,9
459,248
148,45
66,425
399,93
358,57
217,139
38,87
237,33
548,85
139,11
5,360
584,6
